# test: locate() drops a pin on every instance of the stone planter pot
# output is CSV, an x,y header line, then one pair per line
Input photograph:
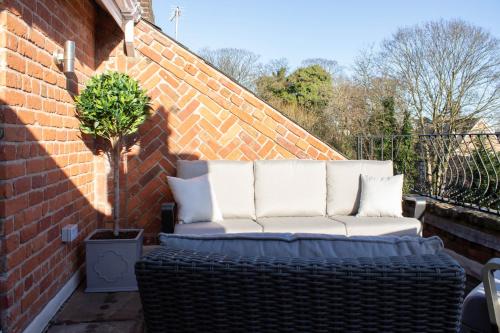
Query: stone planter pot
x,y
110,262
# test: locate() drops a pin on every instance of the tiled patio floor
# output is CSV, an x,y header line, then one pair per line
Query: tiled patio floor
x,y
119,312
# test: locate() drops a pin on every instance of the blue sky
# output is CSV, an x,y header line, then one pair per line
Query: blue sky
x,y
298,30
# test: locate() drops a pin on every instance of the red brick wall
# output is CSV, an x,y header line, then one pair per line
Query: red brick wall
x,y
50,177
199,113
46,170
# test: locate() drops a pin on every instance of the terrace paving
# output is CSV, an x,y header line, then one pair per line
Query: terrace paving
x,y
99,313
113,312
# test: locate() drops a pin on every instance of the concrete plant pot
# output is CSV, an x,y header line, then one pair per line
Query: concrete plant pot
x,y
110,262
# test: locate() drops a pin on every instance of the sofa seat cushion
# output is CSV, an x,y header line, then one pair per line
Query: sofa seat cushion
x,y
380,226
226,226
232,182
344,183
280,245
302,224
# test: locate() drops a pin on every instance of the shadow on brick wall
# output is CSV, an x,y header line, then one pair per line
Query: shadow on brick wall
x,y
144,179
149,160
46,182
47,169
143,176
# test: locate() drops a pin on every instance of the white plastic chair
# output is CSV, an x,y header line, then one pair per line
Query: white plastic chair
x,y
481,310
491,281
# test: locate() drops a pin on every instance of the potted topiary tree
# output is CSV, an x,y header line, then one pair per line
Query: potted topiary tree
x,y
111,108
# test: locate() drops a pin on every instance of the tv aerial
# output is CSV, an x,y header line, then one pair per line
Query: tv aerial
x,y
175,17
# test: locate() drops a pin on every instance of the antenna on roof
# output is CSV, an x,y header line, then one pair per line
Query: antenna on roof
x,y
175,16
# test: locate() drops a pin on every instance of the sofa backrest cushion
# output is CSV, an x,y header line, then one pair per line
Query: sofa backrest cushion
x,y
290,188
232,182
343,183
280,245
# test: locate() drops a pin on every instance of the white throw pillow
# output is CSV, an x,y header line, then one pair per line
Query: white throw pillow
x,y
381,196
195,199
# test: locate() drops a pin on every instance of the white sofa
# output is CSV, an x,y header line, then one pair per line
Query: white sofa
x,y
289,196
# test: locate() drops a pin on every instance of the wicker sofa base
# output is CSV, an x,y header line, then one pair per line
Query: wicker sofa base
x,y
185,291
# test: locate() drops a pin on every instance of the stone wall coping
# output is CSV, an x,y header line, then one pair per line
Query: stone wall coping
x,y
484,221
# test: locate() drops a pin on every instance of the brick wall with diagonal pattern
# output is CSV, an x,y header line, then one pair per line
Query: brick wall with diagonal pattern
x,y
198,113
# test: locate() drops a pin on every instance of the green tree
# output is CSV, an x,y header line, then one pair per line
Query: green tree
x,y
112,106
393,141
384,121
303,96
383,124
308,87
274,86
311,86
405,159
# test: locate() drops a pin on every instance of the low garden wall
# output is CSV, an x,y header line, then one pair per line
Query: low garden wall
x,y
469,233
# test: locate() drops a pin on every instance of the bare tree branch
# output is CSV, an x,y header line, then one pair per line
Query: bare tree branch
x,y
449,70
239,64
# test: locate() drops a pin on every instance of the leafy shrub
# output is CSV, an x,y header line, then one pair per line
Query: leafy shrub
x,y
112,106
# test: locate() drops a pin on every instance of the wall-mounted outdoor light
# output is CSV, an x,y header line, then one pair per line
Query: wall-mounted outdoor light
x,y
67,59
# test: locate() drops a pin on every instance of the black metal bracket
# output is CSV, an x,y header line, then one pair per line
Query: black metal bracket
x,y
168,217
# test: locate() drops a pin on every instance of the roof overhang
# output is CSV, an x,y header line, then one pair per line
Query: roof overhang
x,y
126,13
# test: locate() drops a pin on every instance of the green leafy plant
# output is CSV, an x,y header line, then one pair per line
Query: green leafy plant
x,y
308,87
112,106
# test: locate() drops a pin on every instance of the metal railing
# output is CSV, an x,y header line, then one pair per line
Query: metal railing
x,y
463,169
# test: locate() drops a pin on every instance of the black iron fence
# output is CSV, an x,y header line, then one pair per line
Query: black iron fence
x,y
462,169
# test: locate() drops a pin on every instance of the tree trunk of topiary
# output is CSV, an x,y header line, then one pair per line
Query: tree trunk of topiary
x,y
116,157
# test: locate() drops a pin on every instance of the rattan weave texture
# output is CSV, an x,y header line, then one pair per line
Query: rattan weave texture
x,y
186,291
